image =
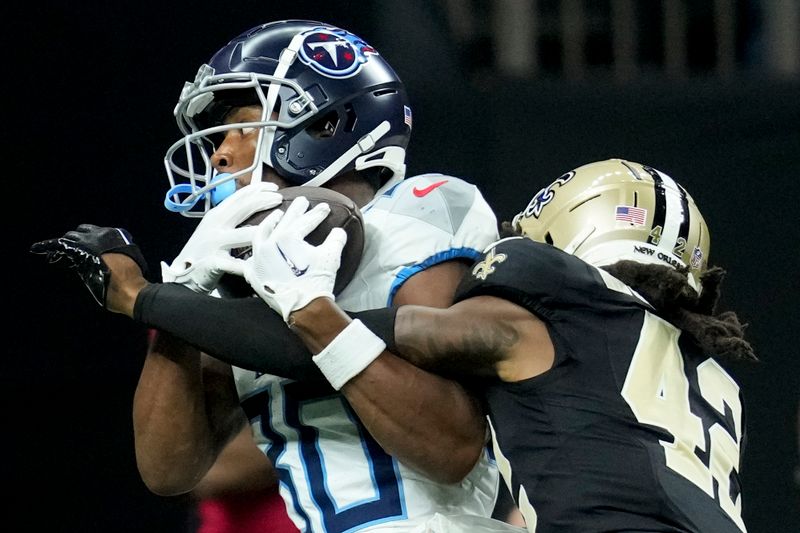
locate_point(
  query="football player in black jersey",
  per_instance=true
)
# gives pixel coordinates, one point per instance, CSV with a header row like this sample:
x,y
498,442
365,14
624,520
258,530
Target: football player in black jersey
x,y
591,333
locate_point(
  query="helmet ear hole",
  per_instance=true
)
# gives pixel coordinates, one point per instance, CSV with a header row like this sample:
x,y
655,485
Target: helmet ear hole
x,y
548,238
376,176
324,127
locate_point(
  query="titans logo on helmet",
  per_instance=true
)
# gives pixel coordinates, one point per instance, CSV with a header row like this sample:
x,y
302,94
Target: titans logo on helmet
x,y
334,53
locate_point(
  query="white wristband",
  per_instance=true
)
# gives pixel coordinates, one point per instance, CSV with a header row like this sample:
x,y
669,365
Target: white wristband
x,y
349,353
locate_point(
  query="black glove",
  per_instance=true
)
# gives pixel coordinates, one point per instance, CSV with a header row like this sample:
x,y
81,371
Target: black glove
x,y
81,249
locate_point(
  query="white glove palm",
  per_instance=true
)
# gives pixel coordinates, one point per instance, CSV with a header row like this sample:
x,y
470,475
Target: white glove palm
x,y
285,270
206,255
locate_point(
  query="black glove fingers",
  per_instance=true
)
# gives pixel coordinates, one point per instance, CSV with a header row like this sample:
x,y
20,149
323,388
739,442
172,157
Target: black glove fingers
x,y
55,251
45,247
57,255
92,237
94,275
81,249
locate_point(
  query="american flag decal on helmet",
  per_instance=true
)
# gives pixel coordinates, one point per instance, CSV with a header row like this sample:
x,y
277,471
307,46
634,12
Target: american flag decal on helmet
x,y
407,116
634,215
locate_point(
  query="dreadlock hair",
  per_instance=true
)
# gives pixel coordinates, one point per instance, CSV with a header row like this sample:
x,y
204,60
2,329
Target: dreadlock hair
x,y
507,230
668,291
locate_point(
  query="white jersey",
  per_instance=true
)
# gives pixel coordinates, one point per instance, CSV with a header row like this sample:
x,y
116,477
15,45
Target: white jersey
x,y
334,476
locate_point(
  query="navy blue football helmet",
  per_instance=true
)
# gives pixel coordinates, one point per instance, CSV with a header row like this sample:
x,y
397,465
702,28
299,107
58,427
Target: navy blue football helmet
x,y
331,104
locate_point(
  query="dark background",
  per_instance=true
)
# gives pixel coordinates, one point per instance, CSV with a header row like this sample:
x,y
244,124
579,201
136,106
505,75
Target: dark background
x,y
91,86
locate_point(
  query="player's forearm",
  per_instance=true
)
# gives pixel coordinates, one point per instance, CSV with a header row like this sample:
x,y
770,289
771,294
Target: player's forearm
x,y
464,341
172,435
318,323
428,422
243,332
241,468
125,283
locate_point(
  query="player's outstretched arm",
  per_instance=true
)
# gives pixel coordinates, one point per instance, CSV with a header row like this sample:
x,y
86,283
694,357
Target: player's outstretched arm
x,y
480,337
82,250
112,267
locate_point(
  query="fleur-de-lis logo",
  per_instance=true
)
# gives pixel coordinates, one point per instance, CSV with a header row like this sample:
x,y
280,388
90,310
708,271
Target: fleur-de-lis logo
x,y
486,267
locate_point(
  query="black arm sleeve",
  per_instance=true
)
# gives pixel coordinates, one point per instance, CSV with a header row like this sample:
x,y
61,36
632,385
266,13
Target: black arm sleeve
x,y
243,332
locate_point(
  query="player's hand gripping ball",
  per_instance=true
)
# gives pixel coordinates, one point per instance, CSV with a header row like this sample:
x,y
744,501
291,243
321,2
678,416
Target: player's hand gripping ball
x,y
344,214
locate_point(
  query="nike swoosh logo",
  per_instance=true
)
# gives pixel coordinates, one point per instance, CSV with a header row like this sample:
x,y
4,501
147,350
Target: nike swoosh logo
x,y
295,270
419,193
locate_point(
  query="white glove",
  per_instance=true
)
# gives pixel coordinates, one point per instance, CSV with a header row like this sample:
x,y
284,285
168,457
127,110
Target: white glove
x,y
286,271
206,255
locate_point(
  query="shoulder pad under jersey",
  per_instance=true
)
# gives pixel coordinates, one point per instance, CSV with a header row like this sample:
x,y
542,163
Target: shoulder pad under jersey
x,y
538,275
419,223
453,206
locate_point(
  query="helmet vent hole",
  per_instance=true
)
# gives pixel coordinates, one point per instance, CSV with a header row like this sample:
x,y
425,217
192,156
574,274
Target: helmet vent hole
x,y
383,92
583,202
548,238
350,120
635,199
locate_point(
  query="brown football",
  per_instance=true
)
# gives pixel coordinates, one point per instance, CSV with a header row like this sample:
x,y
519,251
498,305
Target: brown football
x,y
344,214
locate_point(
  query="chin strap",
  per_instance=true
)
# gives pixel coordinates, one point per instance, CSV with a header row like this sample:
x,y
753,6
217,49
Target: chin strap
x,y
285,61
364,145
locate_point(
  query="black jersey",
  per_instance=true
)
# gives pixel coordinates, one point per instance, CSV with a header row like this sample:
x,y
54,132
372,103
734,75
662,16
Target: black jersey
x,y
633,429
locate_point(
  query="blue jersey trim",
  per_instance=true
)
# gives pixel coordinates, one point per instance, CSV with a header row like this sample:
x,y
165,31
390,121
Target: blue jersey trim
x,y
453,253
275,450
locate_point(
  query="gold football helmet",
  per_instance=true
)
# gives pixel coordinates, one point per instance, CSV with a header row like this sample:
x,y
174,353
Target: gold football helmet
x,y
612,210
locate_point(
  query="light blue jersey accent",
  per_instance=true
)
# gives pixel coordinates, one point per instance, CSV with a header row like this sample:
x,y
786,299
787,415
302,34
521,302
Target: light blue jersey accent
x,y
469,254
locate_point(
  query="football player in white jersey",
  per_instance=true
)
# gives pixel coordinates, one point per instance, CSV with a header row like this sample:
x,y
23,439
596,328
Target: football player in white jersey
x,y
346,472
303,103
